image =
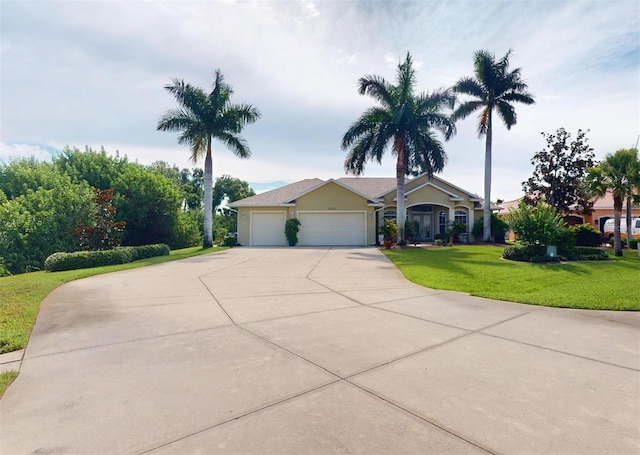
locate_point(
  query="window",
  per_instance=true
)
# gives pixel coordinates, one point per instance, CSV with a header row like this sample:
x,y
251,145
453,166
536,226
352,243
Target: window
x,y
461,216
390,215
442,223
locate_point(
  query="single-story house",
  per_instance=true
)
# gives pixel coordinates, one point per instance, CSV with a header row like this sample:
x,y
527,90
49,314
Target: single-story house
x,y
349,211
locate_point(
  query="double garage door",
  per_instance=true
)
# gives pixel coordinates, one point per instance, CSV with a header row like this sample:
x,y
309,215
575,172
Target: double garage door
x,y
318,228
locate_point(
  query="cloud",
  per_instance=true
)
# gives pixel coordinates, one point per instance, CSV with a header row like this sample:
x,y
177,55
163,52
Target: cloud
x,y
10,152
92,73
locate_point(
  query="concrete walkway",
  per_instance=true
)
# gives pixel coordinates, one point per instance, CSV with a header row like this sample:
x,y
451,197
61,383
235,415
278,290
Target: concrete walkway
x,y
315,351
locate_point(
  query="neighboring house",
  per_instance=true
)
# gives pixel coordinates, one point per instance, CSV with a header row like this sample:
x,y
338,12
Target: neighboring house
x,y
349,211
601,212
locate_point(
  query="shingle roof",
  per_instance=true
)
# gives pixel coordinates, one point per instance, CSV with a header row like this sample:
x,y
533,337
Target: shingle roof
x,y
279,195
371,187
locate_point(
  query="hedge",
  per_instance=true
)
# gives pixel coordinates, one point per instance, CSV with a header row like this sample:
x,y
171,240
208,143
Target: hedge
x,y
58,262
578,253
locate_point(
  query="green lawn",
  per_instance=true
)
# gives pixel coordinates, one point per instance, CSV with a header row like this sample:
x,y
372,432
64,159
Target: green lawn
x,y
479,270
20,295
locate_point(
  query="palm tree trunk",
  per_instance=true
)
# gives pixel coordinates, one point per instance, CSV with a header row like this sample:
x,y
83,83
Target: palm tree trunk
x,y
628,224
486,231
617,215
400,171
208,199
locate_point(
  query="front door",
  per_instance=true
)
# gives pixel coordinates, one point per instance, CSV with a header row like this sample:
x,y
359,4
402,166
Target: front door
x,y
424,226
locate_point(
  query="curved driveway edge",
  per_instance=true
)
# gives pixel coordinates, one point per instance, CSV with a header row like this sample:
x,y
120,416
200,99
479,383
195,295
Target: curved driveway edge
x,y
315,350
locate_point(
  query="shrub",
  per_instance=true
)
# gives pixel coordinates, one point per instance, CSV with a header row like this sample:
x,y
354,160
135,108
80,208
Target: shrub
x,y
86,259
565,240
389,229
586,235
583,253
536,225
499,229
516,253
633,243
230,240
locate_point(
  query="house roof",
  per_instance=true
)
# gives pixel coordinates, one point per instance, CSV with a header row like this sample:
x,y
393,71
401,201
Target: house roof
x,y
371,188
279,196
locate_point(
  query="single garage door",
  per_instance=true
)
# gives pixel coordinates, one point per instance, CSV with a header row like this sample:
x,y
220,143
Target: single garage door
x,y
267,229
332,228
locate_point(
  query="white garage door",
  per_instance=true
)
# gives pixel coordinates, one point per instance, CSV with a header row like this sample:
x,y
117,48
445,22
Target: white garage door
x,y
267,229
332,228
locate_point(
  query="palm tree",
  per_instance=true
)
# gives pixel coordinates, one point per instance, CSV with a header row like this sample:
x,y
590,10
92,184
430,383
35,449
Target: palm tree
x,y
203,117
615,173
493,86
404,121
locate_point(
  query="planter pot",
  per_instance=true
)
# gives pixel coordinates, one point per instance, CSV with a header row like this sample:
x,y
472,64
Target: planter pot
x,y
292,243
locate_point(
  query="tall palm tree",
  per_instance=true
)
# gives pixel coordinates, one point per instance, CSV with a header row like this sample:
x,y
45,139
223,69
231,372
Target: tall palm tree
x,y
404,121
493,87
615,173
203,117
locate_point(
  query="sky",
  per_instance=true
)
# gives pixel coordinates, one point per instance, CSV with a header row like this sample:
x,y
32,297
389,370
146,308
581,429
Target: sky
x,y
91,73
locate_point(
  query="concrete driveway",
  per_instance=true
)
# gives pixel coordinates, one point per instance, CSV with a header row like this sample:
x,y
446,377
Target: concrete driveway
x,y
315,351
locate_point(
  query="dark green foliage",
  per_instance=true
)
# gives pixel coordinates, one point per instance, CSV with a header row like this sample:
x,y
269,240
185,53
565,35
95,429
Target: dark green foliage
x,y
291,228
98,169
558,172
499,228
565,240
586,235
537,254
187,230
41,208
230,240
86,259
149,203
233,188
633,243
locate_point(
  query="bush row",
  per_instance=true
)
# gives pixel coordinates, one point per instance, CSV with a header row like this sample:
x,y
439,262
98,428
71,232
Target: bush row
x,y
538,254
58,262
633,243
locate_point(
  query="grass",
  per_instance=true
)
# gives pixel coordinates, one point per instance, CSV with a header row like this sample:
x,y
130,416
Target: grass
x,y
6,379
20,295
481,271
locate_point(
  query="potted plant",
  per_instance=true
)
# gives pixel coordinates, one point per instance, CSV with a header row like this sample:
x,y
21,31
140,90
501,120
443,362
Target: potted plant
x,y
390,232
291,228
455,229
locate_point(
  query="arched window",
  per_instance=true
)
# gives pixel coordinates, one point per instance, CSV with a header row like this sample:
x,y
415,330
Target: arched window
x,y
442,222
461,216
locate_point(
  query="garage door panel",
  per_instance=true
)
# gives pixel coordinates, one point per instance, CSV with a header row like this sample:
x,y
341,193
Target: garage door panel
x,y
267,229
345,229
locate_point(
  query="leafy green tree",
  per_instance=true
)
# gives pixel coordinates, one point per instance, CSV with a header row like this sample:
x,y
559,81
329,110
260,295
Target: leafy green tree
x,y
405,121
493,87
39,209
149,203
232,188
20,176
616,173
203,117
187,182
559,170
97,168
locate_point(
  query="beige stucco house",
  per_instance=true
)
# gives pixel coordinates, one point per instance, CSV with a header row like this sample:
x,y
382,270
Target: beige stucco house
x,y
349,211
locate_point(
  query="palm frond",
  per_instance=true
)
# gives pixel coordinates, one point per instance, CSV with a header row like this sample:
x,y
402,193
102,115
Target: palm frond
x,y
469,86
236,143
465,109
507,113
